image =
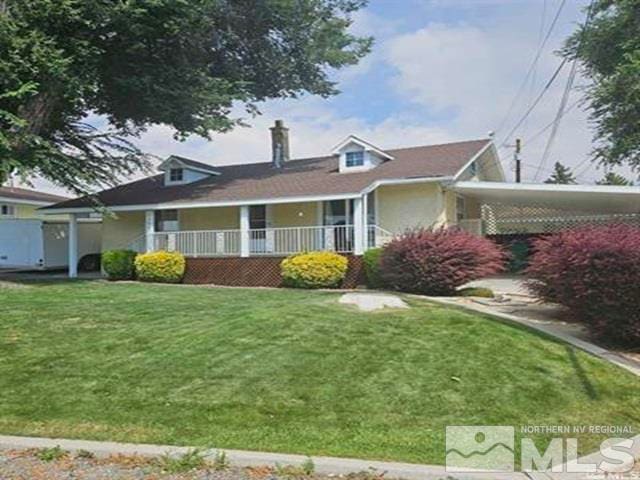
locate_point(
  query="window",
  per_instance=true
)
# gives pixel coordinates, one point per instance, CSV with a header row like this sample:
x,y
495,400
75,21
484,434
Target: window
x,y
371,208
176,175
7,211
461,213
355,159
167,221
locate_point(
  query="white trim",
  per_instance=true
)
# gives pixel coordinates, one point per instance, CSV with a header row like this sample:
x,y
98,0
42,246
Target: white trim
x,y
478,155
28,202
266,201
358,230
405,181
364,144
545,187
149,229
162,167
245,242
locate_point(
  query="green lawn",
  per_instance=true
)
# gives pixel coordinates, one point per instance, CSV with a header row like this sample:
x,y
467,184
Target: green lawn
x,y
283,370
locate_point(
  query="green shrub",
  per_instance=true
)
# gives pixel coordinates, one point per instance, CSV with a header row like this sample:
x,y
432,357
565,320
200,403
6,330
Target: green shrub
x,y
162,267
314,270
371,259
191,460
119,264
519,256
51,454
476,292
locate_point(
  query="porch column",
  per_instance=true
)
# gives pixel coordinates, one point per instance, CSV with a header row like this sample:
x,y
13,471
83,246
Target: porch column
x,y
73,245
149,230
358,230
365,221
244,231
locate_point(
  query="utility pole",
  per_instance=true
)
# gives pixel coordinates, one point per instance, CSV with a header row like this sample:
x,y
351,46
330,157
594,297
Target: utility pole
x,y
516,158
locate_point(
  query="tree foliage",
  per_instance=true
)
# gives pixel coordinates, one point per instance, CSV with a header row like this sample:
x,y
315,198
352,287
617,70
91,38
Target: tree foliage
x,y
137,63
612,178
608,49
561,175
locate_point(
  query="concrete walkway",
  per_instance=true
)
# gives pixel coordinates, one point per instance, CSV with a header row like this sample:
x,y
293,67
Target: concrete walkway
x,y
242,458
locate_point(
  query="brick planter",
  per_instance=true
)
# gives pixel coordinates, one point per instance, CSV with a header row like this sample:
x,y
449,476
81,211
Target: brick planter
x,y
254,271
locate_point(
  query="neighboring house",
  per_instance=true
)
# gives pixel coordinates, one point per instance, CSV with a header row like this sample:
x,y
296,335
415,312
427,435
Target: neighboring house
x,y
31,240
23,203
355,197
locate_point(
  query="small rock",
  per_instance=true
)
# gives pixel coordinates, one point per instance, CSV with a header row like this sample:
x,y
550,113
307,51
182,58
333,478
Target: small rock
x,y
369,302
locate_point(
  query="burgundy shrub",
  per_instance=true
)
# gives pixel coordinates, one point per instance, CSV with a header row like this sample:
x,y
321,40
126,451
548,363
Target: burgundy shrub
x,y
595,272
435,262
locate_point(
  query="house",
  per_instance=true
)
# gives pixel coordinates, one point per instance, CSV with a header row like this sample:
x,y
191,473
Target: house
x,y
23,203
239,220
31,240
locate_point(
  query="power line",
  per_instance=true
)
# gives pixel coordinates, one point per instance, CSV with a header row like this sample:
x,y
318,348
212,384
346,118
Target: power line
x,y
565,95
533,65
539,133
535,103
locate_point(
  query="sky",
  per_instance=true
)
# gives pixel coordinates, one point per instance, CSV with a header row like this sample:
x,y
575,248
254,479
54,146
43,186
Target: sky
x,y
440,71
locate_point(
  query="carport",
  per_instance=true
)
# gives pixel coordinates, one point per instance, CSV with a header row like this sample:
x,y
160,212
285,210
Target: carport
x,y
521,208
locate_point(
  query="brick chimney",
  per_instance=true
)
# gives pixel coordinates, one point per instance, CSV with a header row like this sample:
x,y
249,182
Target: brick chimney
x,y
279,144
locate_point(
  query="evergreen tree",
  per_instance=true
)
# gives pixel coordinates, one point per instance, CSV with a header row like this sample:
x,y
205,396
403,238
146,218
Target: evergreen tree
x,y
612,178
561,175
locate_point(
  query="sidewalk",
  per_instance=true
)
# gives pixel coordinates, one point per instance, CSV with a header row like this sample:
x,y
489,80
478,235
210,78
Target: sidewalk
x,y
242,458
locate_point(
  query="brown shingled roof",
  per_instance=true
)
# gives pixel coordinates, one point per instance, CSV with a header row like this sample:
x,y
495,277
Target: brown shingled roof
x,y
306,177
30,195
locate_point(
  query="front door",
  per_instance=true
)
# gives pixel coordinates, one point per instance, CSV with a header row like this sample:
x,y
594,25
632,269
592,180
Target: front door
x,y
258,226
338,213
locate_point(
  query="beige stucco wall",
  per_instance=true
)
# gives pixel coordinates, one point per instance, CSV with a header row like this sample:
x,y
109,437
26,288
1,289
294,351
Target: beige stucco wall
x,y
26,211
401,207
31,211
487,168
293,214
119,231
220,218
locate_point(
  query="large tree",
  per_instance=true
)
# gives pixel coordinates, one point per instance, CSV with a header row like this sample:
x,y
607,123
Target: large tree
x,y
137,63
608,49
613,178
561,175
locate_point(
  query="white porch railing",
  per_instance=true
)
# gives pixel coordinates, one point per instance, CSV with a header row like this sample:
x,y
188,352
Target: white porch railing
x,y
288,240
268,241
199,243
378,236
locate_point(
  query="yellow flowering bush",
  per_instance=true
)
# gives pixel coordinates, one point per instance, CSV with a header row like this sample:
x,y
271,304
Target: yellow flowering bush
x,y
163,267
314,270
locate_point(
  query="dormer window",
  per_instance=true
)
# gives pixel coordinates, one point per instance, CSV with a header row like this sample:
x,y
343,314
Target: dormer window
x,y
182,171
356,155
355,159
176,175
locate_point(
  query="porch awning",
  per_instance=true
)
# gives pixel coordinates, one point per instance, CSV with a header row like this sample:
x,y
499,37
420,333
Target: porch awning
x,y
589,198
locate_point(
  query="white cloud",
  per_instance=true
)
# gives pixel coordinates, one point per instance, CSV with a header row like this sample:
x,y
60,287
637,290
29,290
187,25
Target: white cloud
x,y
474,72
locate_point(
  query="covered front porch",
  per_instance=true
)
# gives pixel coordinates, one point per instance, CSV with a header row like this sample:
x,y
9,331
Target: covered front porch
x,y
344,225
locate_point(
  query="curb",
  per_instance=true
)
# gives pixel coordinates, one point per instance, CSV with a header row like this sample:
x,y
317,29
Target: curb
x,y
243,458
604,354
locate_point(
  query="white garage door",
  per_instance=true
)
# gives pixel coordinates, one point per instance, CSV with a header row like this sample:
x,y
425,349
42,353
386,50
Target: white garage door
x,y
21,243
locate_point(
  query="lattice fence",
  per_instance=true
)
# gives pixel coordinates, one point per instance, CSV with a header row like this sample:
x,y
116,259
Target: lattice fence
x,y
500,219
